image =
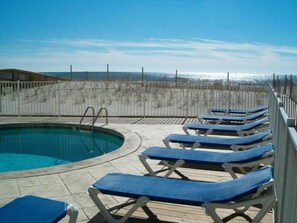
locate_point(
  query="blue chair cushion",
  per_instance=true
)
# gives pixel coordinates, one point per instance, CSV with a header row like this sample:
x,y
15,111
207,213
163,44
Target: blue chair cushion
x,y
182,191
238,111
207,157
232,118
227,128
31,209
217,141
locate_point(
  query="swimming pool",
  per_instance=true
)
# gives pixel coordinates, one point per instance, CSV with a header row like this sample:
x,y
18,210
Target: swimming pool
x,y
31,146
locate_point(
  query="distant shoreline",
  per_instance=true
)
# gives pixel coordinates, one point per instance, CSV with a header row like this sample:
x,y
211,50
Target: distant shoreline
x,y
168,77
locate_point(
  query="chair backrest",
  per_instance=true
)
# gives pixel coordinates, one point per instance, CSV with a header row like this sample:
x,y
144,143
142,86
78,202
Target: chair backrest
x,y
255,116
254,124
251,139
246,185
237,111
250,155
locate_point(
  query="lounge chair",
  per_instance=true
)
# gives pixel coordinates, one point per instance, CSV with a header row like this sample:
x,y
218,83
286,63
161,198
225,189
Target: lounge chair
x,y
28,209
218,119
255,188
174,158
237,111
235,143
245,129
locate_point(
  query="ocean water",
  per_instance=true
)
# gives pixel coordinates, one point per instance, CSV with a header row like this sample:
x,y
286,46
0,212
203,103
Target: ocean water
x,y
171,77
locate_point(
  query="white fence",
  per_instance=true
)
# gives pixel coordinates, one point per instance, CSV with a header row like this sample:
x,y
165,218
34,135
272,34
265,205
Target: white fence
x,y
285,144
71,98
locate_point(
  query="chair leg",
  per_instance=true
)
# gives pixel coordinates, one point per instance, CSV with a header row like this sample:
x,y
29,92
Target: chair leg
x,y
166,143
196,145
208,132
143,159
266,203
229,167
172,168
186,130
140,202
266,207
72,212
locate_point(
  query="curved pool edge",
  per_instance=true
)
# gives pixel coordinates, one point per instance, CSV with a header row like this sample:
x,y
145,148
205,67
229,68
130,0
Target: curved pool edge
x,y
132,143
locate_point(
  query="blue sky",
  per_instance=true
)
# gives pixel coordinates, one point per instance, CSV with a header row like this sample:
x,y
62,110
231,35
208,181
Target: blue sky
x,y
244,36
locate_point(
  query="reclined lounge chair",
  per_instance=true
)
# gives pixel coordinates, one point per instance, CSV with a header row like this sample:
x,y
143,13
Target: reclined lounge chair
x,y
255,188
28,209
245,129
235,143
174,158
236,111
218,119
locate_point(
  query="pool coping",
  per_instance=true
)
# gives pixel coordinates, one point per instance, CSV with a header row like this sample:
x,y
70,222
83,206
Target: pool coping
x,y
132,142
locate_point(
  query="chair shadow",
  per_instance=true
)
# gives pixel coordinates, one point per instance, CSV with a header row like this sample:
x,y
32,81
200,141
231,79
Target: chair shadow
x,y
152,218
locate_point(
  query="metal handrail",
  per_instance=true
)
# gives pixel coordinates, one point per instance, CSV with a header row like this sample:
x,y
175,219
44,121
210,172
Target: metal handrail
x,y
99,112
84,115
94,118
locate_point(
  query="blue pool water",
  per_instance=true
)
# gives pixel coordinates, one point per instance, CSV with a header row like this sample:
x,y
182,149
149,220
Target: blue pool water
x,y
38,147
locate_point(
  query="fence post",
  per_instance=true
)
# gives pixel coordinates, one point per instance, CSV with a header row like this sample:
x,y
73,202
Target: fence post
x,y
101,101
143,99
175,78
229,91
291,86
107,72
71,72
290,122
285,85
278,84
18,96
142,77
59,98
187,115
274,81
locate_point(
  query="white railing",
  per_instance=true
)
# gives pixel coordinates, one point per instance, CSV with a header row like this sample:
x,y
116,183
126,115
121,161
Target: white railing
x,y
71,98
285,144
290,106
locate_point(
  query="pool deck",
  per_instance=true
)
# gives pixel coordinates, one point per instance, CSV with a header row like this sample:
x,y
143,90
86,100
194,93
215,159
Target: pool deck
x,y
71,184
